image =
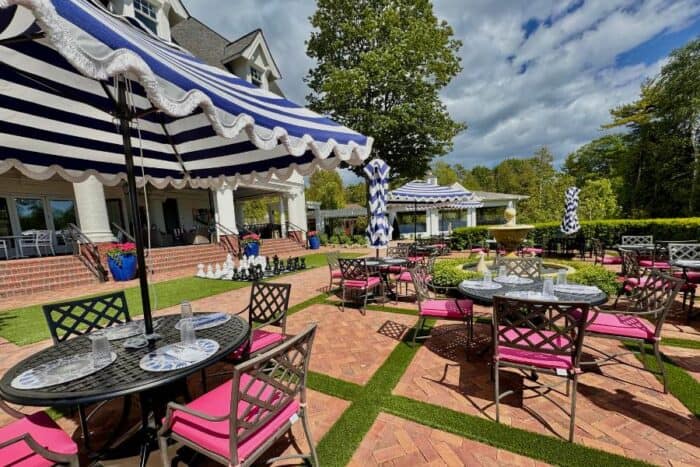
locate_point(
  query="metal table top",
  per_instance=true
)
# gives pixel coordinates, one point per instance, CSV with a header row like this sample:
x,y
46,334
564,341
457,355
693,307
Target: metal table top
x,y
686,264
122,377
373,262
486,296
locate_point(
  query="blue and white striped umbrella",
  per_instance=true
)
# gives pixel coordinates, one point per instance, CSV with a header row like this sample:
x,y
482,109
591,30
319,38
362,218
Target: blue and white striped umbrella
x,y
199,124
569,224
378,228
421,192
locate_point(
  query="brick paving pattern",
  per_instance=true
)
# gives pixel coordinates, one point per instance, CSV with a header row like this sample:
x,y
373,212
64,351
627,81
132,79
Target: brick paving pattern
x,y
393,441
348,345
621,410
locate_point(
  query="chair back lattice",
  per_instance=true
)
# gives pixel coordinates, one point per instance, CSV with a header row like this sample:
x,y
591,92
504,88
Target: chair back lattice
x,y
598,250
265,385
269,303
680,251
637,239
420,276
429,263
354,269
396,252
655,298
332,260
82,316
630,263
527,266
554,328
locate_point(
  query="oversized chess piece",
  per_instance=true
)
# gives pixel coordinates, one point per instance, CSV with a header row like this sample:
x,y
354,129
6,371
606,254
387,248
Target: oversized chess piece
x,y
258,271
303,263
210,272
268,270
289,264
236,275
200,271
217,271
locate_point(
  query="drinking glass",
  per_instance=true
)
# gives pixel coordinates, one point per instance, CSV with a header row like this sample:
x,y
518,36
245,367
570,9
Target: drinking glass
x,y
187,334
487,277
548,287
101,349
501,271
185,310
561,277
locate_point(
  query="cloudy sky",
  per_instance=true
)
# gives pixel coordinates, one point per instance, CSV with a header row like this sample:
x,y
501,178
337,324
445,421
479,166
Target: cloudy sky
x,y
536,72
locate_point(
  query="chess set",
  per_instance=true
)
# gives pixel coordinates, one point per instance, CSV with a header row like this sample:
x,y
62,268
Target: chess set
x,y
250,268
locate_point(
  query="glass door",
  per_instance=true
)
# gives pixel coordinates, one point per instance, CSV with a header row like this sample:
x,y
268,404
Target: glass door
x,y
5,224
62,214
30,213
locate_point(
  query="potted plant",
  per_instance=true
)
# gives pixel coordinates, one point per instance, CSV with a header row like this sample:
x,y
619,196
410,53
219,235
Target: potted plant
x,y
251,244
314,240
121,259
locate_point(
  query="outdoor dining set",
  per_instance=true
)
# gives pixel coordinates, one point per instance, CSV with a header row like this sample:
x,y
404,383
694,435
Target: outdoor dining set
x,y
100,355
540,322
30,242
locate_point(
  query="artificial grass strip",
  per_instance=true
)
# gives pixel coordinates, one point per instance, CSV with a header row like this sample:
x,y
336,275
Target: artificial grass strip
x,y
546,448
684,343
334,387
681,385
341,441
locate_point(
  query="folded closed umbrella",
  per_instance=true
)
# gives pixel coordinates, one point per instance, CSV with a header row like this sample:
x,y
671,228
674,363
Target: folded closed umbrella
x,y
378,229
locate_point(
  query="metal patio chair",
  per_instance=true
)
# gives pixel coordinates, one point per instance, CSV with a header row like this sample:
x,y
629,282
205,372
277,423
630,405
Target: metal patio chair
x,y
38,239
356,278
545,337
238,421
526,266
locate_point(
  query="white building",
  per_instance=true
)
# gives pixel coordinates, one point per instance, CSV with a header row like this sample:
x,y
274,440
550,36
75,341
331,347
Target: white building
x,y
101,211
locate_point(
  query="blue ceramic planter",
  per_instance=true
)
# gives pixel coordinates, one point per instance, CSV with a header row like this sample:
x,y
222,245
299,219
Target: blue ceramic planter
x,y
252,249
314,243
126,271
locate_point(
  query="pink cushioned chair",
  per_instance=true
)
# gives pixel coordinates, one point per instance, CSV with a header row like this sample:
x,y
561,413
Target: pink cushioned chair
x,y
600,255
334,269
235,423
641,321
35,441
544,337
268,307
404,280
356,278
444,309
686,251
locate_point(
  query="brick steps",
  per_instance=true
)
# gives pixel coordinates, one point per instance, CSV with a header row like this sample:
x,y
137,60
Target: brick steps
x,y
34,275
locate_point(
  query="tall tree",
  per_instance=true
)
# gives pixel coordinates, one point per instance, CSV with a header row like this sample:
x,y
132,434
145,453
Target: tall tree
x,y
326,186
356,193
445,173
600,158
380,67
598,200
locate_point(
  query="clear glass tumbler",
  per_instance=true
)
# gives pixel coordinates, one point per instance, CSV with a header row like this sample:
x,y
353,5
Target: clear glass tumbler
x,y
187,334
185,310
501,271
487,277
101,349
561,277
548,287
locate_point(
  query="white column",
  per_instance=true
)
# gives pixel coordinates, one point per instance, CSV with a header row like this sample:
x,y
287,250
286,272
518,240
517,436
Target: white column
x,y
296,209
283,216
432,222
320,220
225,213
472,217
92,210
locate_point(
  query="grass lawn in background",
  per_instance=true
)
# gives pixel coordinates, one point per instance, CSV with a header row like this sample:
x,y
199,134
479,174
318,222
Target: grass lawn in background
x,y
27,325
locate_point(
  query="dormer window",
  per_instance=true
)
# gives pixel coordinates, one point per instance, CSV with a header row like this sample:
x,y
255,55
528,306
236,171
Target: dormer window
x,y
147,14
256,77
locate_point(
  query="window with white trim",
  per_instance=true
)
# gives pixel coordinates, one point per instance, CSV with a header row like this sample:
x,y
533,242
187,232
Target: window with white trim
x,y
256,77
147,14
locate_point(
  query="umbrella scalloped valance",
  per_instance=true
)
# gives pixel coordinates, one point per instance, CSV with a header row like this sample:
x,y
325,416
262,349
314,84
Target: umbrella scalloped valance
x,y
199,125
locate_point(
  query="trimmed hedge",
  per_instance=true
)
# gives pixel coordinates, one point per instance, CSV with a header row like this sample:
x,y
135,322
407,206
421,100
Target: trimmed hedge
x,y
448,272
608,231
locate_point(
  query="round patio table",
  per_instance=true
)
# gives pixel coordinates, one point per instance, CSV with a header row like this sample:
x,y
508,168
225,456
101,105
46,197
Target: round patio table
x,y
485,297
124,376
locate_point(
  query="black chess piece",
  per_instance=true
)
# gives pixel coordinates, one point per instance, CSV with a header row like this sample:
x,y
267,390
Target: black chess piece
x,y
289,263
268,269
235,274
296,263
259,271
244,274
303,263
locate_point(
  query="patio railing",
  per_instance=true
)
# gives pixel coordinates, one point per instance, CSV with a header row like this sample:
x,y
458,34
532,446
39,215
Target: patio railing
x,y
87,252
228,239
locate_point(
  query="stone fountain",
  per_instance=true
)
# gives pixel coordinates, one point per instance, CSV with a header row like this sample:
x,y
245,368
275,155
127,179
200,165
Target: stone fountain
x,y
510,234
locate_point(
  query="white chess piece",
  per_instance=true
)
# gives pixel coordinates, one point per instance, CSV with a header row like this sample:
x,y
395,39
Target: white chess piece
x,y
217,271
200,270
228,275
210,272
229,259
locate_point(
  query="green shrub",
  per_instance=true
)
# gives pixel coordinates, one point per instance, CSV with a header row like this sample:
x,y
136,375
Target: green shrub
x,y
335,240
359,239
448,273
590,274
608,231
323,238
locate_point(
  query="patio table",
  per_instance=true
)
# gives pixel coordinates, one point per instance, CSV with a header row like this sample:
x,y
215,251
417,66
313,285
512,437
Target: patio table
x,y
379,266
19,253
485,297
123,377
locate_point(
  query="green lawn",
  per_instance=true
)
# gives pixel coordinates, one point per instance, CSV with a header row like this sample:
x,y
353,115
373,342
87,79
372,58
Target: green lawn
x,y
26,325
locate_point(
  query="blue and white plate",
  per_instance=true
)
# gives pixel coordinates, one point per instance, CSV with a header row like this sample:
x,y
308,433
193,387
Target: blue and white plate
x,y
164,358
514,280
481,285
60,371
206,321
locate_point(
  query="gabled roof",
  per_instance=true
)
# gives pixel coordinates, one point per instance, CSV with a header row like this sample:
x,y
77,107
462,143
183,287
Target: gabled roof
x,y
246,45
195,36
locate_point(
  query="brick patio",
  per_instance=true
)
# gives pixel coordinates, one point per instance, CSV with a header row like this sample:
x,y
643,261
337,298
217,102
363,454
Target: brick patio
x,y
620,410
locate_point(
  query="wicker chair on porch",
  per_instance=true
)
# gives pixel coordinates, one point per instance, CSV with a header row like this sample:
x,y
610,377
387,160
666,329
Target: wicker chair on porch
x,y
533,336
641,321
238,421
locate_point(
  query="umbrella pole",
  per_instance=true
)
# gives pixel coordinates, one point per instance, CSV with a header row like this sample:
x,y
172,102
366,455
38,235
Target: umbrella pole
x,y
124,115
415,221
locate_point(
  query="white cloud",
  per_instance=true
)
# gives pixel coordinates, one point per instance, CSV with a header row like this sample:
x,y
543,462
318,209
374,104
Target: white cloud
x,y
560,101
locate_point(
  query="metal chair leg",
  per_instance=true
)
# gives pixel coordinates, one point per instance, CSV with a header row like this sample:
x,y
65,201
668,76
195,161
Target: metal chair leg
x,y
572,422
307,432
496,394
342,303
662,367
419,328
